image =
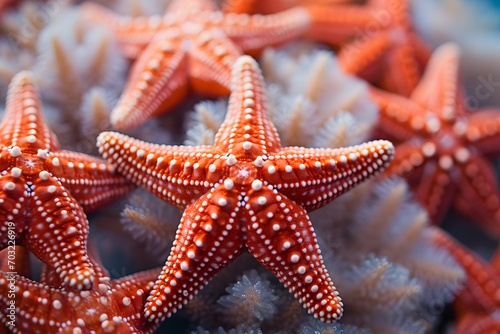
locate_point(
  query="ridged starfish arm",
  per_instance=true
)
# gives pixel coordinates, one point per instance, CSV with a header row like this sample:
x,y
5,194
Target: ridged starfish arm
x,y
254,32
91,181
208,239
59,216
356,57
480,292
478,198
435,191
132,33
483,131
336,24
291,252
405,78
439,87
335,171
157,80
402,118
23,124
111,307
169,168
408,159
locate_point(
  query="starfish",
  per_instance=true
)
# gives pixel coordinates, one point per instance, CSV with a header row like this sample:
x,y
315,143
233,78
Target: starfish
x,y
245,193
442,146
111,306
385,38
478,303
43,185
192,46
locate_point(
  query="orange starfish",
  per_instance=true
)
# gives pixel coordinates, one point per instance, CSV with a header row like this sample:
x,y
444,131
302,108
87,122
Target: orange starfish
x,y
192,46
387,50
442,146
245,193
478,303
110,307
42,187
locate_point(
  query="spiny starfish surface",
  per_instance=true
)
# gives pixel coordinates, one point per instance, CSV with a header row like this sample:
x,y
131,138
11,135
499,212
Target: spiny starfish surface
x,y
442,146
245,193
43,188
111,306
192,46
478,303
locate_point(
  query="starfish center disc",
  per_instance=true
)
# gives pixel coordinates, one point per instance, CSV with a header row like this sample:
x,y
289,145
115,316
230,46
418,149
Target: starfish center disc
x,y
243,173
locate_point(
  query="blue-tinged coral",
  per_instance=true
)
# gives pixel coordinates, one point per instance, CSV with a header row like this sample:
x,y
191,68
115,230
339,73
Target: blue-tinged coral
x,y
250,299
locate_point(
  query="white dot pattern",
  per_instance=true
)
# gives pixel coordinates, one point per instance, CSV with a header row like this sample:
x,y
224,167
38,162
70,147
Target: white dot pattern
x,y
229,207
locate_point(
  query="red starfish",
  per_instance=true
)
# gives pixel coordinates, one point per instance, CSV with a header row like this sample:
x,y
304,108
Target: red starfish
x,y
386,39
192,46
110,307
442,146
245,193
478,303
42,187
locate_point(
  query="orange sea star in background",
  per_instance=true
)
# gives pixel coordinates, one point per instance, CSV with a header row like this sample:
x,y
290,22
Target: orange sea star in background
x,y
44,188
245,193
478,302
386,51
441,146
192,46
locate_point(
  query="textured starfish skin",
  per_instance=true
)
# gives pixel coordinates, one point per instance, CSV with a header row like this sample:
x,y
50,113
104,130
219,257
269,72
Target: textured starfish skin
x,y
109,307
478,303
441,146
385,38
193,46
42,186
245,193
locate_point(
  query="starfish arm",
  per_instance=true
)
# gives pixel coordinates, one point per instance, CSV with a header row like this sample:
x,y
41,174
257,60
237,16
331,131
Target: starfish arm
x,y
13,209
157,81
249,133
479,195
435,191
291,252
483,130
296,172
402,118
336,24
132,33
357,56
91,181
207,240
439,88
211,56
408,160
254,32
51,277
23,124
24,296
163,170
404,73
60,216
479,292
